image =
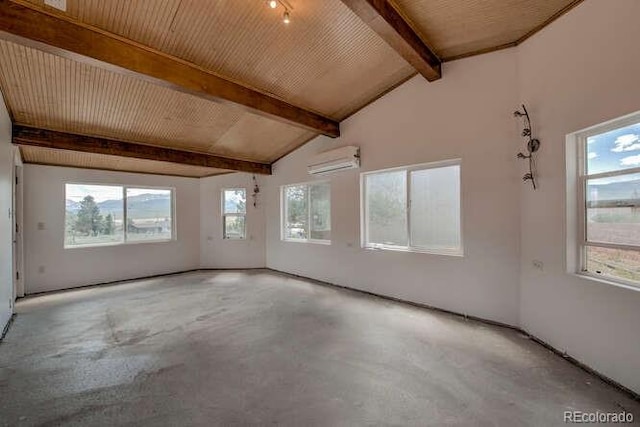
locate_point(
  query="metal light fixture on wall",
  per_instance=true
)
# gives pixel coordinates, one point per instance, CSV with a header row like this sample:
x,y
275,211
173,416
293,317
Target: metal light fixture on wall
x,y
256,191
533,145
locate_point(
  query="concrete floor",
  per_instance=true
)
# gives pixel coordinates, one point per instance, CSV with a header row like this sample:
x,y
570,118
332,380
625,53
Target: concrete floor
x,y
239,348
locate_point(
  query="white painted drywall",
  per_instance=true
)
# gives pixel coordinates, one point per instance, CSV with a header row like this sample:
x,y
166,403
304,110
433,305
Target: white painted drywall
x,y
6,237
44,200
582,70
467,115
216,252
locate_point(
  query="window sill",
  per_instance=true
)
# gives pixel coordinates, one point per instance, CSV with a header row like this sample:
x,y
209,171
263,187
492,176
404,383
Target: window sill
x,y
606,281
458,254
315,242
103,245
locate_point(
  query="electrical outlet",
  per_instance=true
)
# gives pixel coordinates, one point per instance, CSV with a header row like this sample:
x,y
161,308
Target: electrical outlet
x,y
41,226
58,4
41,269
538,265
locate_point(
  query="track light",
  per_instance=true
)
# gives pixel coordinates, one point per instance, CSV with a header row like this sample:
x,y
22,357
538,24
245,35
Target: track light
x,y
274,4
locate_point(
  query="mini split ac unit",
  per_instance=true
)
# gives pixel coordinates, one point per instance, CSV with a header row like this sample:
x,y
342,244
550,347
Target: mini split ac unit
x,y
335,160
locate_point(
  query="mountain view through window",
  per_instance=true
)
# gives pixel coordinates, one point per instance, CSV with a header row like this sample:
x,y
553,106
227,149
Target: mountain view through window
x,y
95,215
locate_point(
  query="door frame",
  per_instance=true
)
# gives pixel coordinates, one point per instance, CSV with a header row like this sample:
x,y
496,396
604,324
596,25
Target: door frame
x,y
17,227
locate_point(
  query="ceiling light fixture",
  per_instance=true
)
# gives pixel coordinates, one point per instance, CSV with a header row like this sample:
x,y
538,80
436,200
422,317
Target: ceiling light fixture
x,y
286,16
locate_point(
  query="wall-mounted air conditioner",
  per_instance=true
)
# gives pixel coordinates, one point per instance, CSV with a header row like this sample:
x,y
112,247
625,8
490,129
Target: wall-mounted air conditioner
x,y
335,160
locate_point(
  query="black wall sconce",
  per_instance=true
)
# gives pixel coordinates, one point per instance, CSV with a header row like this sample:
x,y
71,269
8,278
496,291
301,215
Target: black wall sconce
x,y
533,145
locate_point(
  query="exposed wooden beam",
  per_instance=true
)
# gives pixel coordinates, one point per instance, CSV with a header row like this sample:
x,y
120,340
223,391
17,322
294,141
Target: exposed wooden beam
x,y
384,19
25,24
25,135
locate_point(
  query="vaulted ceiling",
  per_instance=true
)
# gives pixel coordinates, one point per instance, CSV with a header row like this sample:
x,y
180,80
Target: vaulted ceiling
x,y
253,88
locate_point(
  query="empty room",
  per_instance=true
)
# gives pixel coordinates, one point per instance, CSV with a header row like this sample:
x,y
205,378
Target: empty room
x,y
319,212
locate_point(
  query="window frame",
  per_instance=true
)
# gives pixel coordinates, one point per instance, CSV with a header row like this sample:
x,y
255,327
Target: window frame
x,y
283,213
225,215
124,188
582,178
409,247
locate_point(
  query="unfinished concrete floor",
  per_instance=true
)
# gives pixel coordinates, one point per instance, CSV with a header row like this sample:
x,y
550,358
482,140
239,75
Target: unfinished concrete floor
x,y
256,347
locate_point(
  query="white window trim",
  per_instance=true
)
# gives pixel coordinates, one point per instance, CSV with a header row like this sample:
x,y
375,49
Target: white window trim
x,y
409,248
576,149
283,214
224,214
124,210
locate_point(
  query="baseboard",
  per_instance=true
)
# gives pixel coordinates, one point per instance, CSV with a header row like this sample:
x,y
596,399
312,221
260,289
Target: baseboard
x,y
135,279
5,329
110,283
231,269
401,301
632,394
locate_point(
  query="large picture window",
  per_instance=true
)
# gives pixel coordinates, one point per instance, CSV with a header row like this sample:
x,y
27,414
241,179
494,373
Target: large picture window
x,y
108,215
415,208
306,212
234,210
609,201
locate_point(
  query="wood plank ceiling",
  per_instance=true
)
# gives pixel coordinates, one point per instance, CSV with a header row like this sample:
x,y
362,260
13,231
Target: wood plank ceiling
x,y
464,28
327,60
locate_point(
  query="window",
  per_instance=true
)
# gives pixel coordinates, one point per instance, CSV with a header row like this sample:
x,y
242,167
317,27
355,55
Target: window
x,y
234,210
416,208
609,201
97,214
307,212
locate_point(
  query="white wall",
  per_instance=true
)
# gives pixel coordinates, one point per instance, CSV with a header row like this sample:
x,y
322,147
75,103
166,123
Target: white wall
x,y
215,252
467,115
582,70
6,238
44,188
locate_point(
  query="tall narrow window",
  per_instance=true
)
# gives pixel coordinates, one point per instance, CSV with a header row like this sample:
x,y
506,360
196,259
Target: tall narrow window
x,y
306,212
109,214
234,210
320,211
609,196
415,208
